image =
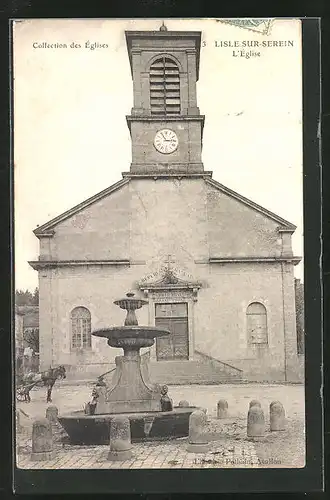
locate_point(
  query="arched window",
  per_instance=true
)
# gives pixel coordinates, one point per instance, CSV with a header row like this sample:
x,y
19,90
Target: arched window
x,y
256,316
80,328
164,80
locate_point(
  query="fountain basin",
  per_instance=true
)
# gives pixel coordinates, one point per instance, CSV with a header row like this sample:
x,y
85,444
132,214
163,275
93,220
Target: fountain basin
x,y
150,426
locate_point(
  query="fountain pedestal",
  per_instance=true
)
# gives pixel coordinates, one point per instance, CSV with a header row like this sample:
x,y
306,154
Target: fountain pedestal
x,y
130,389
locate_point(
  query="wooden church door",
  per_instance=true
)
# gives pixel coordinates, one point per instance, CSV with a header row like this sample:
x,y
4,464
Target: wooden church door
x,y
172,317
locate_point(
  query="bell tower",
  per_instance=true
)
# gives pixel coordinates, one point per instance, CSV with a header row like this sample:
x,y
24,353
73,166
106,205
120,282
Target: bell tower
x,y
165,124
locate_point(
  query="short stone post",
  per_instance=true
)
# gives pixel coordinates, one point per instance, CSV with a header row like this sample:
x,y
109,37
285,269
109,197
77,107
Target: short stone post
x,y
255,422
197,442
183,404
52,413
148,421
222,409
42,440
120,439
254,402
276,416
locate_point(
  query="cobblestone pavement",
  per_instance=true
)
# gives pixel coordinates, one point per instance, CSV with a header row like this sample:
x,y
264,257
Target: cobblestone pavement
x,y
166,455
229,445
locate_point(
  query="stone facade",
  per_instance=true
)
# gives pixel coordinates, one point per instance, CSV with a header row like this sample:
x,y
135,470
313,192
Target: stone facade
x,y
169,232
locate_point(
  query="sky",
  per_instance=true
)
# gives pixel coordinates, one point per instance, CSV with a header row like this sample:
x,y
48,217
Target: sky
x,y
71,140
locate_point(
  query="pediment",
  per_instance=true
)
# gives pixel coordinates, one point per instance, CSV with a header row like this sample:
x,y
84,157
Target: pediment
x,y
169,280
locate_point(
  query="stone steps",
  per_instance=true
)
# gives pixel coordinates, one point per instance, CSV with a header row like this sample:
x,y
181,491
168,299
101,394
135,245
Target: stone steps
x,y
191,372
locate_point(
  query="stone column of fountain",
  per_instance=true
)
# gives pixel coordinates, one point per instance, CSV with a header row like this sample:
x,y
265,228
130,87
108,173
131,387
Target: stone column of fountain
x,y
130,390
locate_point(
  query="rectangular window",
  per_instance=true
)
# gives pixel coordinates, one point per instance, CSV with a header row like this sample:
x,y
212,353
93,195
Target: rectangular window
x,y
257,326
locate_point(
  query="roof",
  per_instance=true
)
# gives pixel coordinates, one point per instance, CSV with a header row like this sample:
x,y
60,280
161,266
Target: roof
x,y
18,311
47,228
30,316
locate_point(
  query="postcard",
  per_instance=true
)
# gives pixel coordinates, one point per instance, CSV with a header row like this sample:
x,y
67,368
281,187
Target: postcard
x,y
159,265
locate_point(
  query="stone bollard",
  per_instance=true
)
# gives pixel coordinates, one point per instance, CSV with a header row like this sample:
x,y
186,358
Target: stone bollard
x,y
52,413
184,404
255,422
276,416
254,402
120,439
197,442
42,440
222,408
274,403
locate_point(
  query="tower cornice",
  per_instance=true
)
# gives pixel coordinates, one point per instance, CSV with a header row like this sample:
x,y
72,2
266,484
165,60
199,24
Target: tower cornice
x,y
182,36
161,119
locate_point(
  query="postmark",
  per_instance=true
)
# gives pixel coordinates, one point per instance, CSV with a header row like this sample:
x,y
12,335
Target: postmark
x,y
262,26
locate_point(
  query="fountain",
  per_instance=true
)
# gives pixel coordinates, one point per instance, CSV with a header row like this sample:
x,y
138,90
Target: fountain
x,y
129,391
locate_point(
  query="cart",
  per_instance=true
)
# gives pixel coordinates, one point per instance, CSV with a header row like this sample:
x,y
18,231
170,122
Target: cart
x,y
23,391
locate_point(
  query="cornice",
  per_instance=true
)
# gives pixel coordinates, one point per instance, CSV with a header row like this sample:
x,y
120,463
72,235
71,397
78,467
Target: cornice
x,y
165,118
166,175
223,260
51,264
286,230
47,234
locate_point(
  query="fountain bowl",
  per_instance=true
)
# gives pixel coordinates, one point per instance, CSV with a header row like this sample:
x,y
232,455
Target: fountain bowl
x,y
116,332
131,336
150,426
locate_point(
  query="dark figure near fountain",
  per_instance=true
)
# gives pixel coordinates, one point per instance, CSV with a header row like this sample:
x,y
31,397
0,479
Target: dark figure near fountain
x,y
165,401
128,389
91,405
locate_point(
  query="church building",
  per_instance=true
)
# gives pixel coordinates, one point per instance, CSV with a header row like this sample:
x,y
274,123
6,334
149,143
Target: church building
x,y
216,268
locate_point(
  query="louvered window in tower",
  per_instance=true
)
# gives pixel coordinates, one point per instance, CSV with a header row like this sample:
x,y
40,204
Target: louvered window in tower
x,y
164,87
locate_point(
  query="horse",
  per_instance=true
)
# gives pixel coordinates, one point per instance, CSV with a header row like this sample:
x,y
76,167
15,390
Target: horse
x,y
46,378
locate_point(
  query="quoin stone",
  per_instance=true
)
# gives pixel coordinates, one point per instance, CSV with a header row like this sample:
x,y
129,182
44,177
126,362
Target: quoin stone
x,y
254,402
120,439
198,442
52,413
276,416
255,422
42,440
222,408
184,404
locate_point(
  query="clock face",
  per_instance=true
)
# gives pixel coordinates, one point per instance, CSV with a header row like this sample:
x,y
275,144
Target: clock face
x,y
166,141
